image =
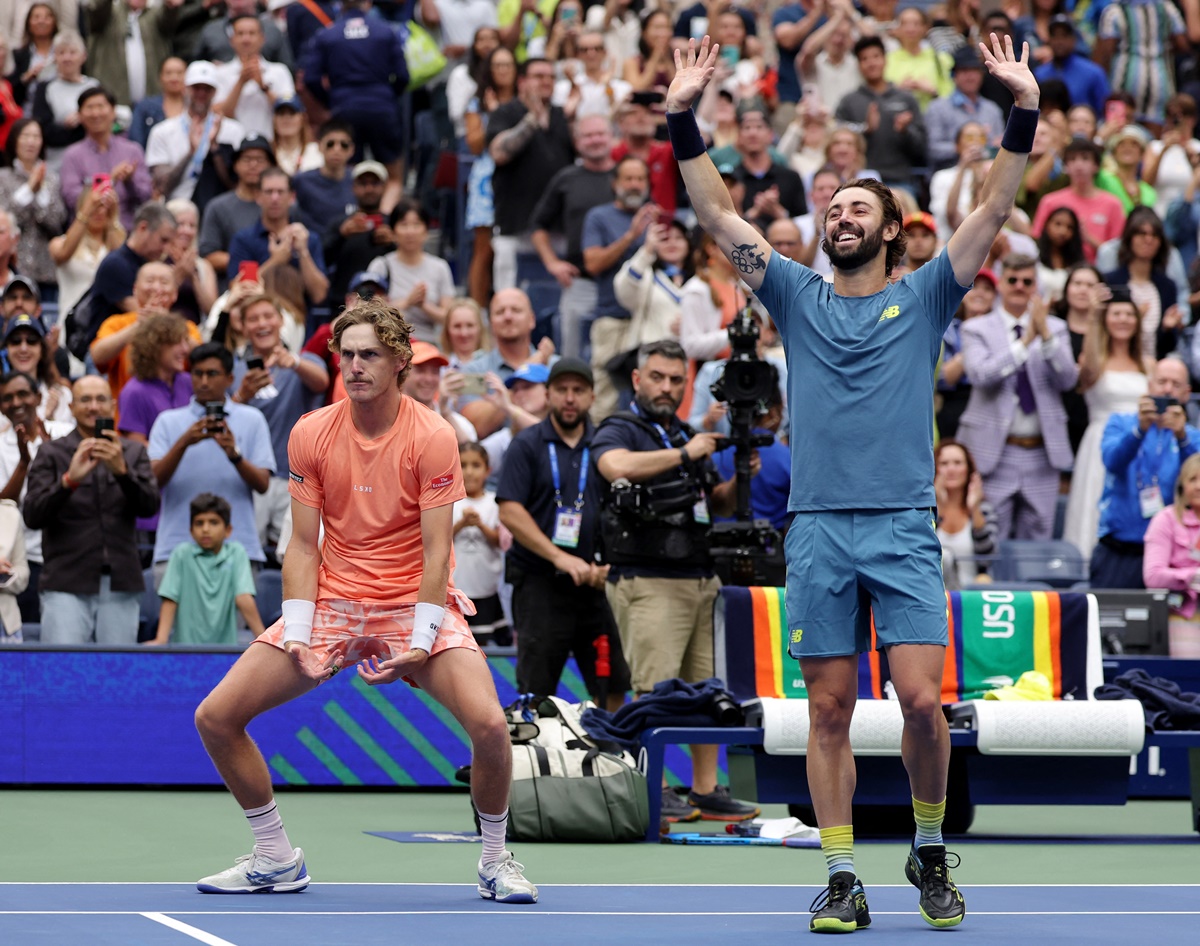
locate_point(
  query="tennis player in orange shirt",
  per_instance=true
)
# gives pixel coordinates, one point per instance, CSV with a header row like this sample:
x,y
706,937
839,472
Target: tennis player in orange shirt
x,y
382,472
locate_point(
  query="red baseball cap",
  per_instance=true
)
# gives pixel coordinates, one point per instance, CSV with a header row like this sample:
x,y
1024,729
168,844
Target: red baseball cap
x,y
921,219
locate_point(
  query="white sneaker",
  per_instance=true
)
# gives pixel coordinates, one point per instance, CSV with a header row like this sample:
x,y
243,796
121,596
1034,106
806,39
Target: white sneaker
x,y
254,873
503,882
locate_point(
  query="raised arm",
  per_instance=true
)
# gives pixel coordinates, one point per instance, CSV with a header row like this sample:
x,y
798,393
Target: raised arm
x,y
969,246
744,246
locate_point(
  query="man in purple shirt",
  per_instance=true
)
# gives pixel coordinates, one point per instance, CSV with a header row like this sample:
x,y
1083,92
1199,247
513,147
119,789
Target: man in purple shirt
x,y
103,153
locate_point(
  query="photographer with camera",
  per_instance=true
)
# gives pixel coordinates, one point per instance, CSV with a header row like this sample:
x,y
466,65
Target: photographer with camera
x,y
213,445
1142,455
85,492
655,528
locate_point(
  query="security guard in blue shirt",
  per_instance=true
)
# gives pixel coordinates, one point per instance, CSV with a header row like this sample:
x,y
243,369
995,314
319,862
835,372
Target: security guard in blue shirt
x,y
550,498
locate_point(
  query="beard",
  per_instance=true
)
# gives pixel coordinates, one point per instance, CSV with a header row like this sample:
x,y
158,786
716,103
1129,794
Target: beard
x,y
862,253
632,199
564,423
661,411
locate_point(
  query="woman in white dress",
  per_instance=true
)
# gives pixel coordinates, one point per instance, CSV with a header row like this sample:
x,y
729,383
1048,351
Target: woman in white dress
x,y
1117,374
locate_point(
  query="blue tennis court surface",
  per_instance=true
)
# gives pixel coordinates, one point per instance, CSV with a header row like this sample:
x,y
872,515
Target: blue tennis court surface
x,y
367,914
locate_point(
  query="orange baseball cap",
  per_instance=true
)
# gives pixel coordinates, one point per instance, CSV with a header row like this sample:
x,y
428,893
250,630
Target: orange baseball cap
x,y
921,219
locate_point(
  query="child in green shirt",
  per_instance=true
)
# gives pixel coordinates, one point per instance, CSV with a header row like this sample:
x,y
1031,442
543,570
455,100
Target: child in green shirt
x,y
207,582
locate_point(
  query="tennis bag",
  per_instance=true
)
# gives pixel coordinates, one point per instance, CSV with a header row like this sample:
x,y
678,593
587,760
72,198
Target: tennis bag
x,y
565,785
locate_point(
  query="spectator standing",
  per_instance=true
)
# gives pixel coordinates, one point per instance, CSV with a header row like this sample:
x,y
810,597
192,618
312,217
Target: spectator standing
x,y
285,387
126,41
158,352
216,38
20,403
1142,265
1172,536
169,103
966,522
594,89
295,151
15,577
1171,160
1100,214
915,66
559,215
208,582
273,241
1126,148
1085,80
465,81
103,153
248,86
773,190
426,385
827,64
357,67
194,276
326,193
226,215
792,24
889,117
86,490
1019,361
638,126
1060,247
189,156
362,233
1113,380
56,102
947,114
33,60
193,450
478,560
95,232
953,389
654,66
550,498
530,141
12,20
1077,308
153,231
1131,42
419,283
29,188
10,111
26,349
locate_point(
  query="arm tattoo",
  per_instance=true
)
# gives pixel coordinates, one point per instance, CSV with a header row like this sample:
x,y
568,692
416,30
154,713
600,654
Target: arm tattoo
x,y
747,258
513,141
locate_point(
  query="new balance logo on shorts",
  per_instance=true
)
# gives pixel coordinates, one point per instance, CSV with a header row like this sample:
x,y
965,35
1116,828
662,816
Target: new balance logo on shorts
x,y
797,634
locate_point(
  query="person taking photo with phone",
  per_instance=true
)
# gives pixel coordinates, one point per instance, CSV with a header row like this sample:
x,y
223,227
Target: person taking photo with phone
x,y
85,492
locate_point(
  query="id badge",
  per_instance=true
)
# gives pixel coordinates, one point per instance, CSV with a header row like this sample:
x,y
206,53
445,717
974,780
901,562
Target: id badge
x,y
567,525
1151,501
700,511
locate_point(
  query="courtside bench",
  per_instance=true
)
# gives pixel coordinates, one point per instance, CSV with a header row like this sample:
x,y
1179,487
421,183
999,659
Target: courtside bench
x,y
1074,750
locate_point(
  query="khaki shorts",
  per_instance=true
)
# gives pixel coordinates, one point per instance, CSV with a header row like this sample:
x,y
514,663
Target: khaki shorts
x,y
337,625
666,627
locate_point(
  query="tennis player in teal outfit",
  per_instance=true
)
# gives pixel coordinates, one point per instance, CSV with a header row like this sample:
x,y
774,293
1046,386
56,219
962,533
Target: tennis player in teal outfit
x,y
861,356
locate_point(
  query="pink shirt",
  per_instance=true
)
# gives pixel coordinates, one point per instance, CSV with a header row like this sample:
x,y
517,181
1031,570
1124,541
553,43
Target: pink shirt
x,y
1101,215
1168,561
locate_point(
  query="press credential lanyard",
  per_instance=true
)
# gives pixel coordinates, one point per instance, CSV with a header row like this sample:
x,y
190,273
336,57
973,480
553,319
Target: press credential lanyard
x,y
568,522
700,510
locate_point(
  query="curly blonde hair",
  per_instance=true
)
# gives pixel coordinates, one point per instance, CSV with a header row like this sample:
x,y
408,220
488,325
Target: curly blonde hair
x,y
390,328
153,334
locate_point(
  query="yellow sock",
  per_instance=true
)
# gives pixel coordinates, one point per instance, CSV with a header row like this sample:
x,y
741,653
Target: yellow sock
x,y
837,844
929,819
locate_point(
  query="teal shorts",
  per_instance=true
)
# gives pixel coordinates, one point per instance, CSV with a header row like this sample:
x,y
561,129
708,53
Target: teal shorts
x,y
841,566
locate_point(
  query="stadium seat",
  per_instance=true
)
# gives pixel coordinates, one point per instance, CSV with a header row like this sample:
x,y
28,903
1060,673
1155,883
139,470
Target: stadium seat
x,y
270,595
1008,586
1055,562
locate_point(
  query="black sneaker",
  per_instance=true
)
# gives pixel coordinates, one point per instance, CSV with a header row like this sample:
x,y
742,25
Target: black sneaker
x,y
719,805
927,869
676,809
841,907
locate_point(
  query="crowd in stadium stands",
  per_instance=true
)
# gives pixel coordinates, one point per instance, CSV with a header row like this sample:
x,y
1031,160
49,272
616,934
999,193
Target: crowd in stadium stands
x,y
191,190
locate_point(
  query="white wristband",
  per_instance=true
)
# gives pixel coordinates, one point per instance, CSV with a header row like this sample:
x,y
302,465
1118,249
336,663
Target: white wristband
x,y
426,623
298,620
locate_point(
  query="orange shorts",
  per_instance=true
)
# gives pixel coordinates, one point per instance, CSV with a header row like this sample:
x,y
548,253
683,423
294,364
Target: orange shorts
x,y
338,625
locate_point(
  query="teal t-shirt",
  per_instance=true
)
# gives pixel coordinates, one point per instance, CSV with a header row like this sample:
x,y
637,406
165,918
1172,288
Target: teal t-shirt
x,y
205,587
860,384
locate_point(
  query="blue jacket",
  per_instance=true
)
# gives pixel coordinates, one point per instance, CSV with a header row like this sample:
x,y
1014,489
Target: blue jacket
x,y
1134,461
363,59
671,703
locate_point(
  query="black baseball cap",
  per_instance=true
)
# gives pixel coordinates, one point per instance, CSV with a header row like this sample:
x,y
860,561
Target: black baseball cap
x,y
575,366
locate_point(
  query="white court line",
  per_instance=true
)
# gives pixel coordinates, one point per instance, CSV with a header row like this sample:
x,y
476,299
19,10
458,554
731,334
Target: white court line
x,y
376,883
214,941
207,938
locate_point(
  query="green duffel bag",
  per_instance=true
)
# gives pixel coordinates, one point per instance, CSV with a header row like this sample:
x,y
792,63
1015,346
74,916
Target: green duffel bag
x,y
575,794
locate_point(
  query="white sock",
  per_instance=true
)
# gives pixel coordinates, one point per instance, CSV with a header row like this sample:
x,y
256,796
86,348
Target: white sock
x,y
494,828
270,840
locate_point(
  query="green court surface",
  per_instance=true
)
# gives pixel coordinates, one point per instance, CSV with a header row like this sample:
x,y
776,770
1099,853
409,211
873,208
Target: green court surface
x,y
178,836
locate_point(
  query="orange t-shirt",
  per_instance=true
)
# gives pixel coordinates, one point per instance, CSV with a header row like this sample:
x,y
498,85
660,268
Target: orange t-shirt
x,y
371,494
120,370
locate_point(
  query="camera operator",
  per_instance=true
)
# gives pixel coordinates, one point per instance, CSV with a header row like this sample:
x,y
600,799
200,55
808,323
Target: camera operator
x,y
770,488
655,532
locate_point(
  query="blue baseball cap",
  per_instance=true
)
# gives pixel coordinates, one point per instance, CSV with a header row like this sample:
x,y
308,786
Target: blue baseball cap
x,y
293,103
368,278
532,372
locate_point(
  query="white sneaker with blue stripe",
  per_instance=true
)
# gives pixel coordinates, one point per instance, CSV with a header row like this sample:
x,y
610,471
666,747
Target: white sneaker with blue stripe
x,y
254,873
503,882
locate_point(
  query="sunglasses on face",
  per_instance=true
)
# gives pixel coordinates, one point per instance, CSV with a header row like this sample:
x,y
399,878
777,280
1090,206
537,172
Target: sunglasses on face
x,y
1020,280
335,143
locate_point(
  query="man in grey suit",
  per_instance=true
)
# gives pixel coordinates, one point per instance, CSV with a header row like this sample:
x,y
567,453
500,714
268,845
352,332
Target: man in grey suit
x,y
1019,360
